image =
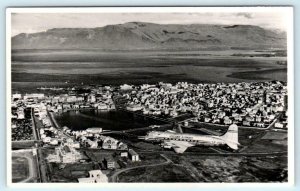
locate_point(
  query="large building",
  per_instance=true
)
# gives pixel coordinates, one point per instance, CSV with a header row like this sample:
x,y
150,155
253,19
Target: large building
x,y
95,176
134,107
65,154
94,130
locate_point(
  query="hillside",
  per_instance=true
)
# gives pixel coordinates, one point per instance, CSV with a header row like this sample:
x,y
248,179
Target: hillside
x,y
149,36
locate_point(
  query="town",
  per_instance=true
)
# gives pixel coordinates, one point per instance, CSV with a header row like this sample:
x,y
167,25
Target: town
x,y
100,155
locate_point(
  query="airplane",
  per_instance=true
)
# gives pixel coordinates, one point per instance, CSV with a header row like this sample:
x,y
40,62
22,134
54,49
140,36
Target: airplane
x,y
181,141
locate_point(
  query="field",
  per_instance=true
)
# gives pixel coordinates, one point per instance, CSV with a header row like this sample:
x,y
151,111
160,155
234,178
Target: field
x,y
22,144
146,158
20,169
69,172
262,146
233,168
211,169
166,173
245,169
24,166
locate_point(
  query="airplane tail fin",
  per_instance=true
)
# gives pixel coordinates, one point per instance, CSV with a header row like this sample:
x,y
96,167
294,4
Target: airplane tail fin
x,y
231,137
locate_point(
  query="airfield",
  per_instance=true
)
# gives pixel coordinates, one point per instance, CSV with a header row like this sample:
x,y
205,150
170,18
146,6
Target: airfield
x,y
263,152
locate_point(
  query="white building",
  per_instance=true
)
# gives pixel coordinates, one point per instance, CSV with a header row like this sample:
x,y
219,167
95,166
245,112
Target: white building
x,y
64,154
16,96
134,107
102,106
124,154
125,87
95,176
278,125
34,96
133,155
94,130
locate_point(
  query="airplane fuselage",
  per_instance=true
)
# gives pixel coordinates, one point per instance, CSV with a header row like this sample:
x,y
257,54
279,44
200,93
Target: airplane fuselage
x,y
208,140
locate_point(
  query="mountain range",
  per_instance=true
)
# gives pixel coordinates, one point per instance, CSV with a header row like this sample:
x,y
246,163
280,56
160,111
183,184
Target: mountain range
x,y
150,36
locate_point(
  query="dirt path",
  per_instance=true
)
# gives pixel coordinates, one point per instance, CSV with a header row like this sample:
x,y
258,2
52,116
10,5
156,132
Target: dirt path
x,y
115,175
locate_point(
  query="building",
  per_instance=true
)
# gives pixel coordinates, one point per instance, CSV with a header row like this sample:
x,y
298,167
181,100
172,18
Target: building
x,y
109,163
133,155
95,176
278,125
20,113
94,130
124,154
34,96
92,144
109,143
16,96
134,107
102,106
87,180
53,141
125,87
67,155
54,158
64,154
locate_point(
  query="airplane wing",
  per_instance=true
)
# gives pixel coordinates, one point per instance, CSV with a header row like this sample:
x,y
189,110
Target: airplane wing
x,y
178,146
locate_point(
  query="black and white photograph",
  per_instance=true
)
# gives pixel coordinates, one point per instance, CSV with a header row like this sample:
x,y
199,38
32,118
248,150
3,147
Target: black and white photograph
x,y
150,95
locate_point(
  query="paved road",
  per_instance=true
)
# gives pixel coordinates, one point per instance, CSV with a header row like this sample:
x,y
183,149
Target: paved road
x,y
115,175
34,130
41,163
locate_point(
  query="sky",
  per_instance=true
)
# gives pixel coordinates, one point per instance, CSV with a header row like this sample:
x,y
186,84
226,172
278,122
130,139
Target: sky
x,y
38,22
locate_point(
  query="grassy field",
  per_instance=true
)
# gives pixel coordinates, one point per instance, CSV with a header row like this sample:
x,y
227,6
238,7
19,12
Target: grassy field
x,y
69,172
234,169
262,146
22,144
24,166
167,173
20,169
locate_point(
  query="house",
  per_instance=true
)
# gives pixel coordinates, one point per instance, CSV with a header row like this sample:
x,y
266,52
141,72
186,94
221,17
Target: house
x,y
75,106
47,139
227,121
216,121
109,143
246,123
124,154
20,113
98,175
207,120
109,163
278,125
122,146
133,155
260,124
53,142
92,144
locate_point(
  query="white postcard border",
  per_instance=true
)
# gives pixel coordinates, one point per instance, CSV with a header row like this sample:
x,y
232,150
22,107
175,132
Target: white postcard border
x,y
290,80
